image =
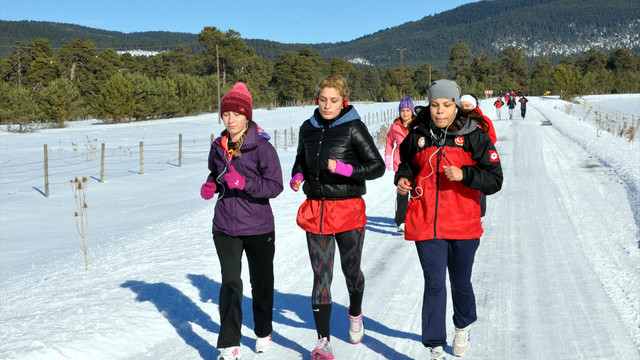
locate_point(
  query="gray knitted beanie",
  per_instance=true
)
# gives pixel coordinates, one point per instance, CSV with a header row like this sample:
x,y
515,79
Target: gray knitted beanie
x,y
444,88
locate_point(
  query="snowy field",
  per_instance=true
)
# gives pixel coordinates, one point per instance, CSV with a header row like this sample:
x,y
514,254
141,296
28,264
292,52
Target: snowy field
x,y
557,274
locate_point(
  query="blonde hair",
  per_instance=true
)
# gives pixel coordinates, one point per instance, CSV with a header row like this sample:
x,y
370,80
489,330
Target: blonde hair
x,y
237,153
336,82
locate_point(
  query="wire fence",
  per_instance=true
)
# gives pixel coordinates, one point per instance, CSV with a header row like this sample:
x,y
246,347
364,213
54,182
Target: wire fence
x,y
613,121
102,161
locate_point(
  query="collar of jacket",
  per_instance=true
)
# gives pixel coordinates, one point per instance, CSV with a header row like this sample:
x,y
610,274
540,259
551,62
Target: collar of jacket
x,y
468,127
250,141
346,115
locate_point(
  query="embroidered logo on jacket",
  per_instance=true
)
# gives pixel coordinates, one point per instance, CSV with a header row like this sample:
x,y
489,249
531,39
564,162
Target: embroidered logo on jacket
x,y
459,140
422,142
493,156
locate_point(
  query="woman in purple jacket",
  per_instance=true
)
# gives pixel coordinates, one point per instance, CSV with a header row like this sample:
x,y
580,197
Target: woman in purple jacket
x,y
246,173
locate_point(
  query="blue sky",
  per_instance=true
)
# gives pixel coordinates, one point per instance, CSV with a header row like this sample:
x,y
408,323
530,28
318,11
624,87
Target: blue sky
x,y
285,21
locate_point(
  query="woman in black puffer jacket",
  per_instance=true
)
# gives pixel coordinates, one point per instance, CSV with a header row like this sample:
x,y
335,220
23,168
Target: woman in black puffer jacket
x,y
336,155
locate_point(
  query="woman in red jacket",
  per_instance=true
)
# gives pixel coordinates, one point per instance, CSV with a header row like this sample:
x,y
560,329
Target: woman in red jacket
x,y
469,102
446,162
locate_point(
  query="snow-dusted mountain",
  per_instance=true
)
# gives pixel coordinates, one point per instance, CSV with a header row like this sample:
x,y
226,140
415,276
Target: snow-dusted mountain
x,y
554,28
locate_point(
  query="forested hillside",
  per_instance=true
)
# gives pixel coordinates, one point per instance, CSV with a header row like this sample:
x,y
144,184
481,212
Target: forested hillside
x,y
95,73
553,28
60,34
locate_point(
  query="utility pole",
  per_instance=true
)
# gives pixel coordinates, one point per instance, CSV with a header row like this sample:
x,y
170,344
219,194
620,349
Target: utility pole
x,y
218,81
402,50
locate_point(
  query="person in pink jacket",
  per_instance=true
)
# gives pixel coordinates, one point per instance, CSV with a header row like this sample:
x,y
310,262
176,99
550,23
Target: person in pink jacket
x,y
397,132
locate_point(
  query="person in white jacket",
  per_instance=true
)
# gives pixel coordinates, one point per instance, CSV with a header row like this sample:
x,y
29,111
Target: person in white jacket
x,y
397,132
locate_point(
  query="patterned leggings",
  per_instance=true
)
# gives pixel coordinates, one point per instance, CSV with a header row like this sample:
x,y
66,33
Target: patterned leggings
x,y
322,250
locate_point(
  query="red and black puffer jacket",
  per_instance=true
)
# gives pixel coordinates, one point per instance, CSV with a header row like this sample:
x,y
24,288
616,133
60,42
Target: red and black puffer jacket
x,y
440,208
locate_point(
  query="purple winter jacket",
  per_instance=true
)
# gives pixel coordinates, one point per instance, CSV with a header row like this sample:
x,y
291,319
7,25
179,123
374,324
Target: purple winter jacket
x,y
246,212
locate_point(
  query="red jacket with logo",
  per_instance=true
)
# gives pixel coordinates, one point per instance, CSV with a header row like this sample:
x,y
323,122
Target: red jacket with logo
x,y
438,207
491,131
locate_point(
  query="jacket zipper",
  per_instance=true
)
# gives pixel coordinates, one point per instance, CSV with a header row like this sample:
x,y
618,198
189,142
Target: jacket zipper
x,y
320,185
435,215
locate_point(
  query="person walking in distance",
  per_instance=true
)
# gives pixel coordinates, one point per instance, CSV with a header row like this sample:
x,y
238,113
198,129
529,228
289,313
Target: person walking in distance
x,y
511,104
397,132
523,106
335,156
498,104
245,172
447,160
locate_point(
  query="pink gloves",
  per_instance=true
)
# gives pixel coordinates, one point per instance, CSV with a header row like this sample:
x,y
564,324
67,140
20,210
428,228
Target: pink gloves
x,y
296,177
388,162
233,179
343,169
207,190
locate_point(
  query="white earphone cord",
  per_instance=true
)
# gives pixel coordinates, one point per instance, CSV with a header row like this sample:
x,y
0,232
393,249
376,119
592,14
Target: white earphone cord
x,y
418,189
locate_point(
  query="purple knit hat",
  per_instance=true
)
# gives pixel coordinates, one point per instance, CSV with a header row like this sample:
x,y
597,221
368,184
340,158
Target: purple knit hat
x,y
406,103
238,100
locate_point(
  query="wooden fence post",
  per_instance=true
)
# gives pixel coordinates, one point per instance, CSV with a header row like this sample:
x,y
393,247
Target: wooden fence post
x,y
285,140
141,159
179,150
293,138
102,164
46,171
275,136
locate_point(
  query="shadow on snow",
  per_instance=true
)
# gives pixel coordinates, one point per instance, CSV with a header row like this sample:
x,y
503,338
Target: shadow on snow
x,y
291,310
378,224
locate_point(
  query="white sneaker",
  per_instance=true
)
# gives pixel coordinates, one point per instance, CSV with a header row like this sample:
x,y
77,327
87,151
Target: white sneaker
x,y
401,228
230,353
356,328
263,344
461,341
437,353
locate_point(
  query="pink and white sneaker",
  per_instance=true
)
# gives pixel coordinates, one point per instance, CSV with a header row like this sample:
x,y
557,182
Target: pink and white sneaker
x,y
230,353
323,350
356,328
263,344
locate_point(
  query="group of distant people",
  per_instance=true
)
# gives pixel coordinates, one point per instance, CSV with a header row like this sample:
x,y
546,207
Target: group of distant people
x,y
444,160
510,99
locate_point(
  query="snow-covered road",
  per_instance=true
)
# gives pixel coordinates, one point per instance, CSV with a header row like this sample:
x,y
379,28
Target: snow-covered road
x,y
556,275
